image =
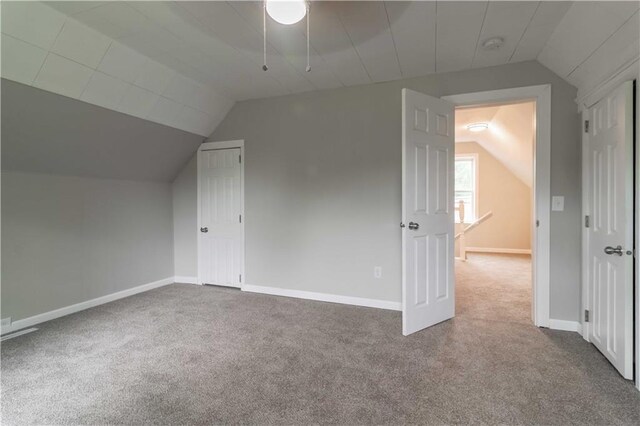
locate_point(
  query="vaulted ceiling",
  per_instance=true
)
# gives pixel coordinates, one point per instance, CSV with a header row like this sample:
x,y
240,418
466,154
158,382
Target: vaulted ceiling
x,y
593,40
184,63
352,43
509,137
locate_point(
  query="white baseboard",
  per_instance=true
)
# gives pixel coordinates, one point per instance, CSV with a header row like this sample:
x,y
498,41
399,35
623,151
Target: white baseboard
x,y
185,279
498,250
57,313
324,297
565,325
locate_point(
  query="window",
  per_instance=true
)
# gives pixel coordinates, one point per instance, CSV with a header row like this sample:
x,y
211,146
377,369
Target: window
x,y
466,187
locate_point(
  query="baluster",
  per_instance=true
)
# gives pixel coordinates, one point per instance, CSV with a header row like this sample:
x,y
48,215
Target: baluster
x,y
462,244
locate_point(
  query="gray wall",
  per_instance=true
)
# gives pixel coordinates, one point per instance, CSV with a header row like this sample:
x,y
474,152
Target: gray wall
x,y
185,243
43,132
71,232
66,240
323,184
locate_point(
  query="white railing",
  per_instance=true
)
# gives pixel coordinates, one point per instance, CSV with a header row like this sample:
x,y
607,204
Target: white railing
x,y
462,244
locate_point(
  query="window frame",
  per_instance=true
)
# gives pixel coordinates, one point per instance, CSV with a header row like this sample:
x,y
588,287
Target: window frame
x,y
476,186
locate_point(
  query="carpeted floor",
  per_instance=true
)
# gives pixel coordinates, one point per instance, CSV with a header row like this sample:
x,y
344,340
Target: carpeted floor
x,y
185,354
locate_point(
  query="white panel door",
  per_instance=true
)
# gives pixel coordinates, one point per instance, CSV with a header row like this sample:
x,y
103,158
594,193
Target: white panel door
x,y
427,211
611,227
221,246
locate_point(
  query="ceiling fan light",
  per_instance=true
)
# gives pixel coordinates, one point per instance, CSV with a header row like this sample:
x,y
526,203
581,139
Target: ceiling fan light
x,y
478,127
286,12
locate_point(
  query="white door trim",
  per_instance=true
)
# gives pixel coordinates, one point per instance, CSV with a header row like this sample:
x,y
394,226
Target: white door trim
x,y
206,146
542,184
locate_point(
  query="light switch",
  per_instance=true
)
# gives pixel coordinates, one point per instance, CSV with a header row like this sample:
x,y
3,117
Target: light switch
x,y
557,203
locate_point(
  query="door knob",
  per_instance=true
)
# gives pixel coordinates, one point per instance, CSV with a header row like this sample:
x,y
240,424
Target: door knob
x,y
611,250
413,226
205,230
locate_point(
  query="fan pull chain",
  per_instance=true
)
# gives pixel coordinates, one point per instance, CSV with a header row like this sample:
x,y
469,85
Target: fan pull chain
x,y
264,35
308,35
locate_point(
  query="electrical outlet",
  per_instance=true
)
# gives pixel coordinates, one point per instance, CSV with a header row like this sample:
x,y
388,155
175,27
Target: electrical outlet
x,y
377,271
5,322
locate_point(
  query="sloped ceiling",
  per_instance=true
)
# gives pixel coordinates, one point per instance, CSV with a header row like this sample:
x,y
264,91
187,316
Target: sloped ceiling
x,y
45,48
43,132
509,137
184,63
352,42
592,41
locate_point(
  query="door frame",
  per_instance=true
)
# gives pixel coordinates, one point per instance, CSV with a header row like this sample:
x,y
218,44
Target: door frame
x,y
209,146
541,244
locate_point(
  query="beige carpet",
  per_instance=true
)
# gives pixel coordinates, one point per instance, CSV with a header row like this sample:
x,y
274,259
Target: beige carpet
x,y
494,287
185,354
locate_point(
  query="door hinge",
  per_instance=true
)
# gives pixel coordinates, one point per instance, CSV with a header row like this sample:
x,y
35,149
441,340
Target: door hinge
x,y
586,315
240,218
240,158
586,221
240,277
537,223
586,126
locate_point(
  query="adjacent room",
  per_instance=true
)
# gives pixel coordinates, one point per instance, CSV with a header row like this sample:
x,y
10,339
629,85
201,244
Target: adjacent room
x,y
319,212
494,205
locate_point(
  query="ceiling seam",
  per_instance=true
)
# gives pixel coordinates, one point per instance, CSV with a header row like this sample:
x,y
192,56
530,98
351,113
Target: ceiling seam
x,y
546,43
96,70
40,69
435,50
318,54
354,48
183,41
84,10
393,40
282,85
601,44
515,49
34,45
486,9
49,52
273,47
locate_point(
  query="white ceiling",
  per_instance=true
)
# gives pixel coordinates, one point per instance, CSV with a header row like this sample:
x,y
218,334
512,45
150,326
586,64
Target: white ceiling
x,y
592,41
220,43
215,47
509,137
44,48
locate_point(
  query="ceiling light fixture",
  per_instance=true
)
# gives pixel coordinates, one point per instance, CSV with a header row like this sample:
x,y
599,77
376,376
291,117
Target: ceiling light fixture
x,y
493,43
478,127
286,12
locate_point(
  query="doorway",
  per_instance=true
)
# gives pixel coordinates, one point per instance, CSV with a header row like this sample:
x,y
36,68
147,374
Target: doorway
x,y
493,204
428,285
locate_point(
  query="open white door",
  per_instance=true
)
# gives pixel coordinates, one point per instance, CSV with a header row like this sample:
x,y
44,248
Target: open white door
x,y
427,211
610,233
220,200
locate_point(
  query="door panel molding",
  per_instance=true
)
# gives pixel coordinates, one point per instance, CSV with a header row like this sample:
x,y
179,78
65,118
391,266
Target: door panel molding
x,y
428,295
212,146
608,200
